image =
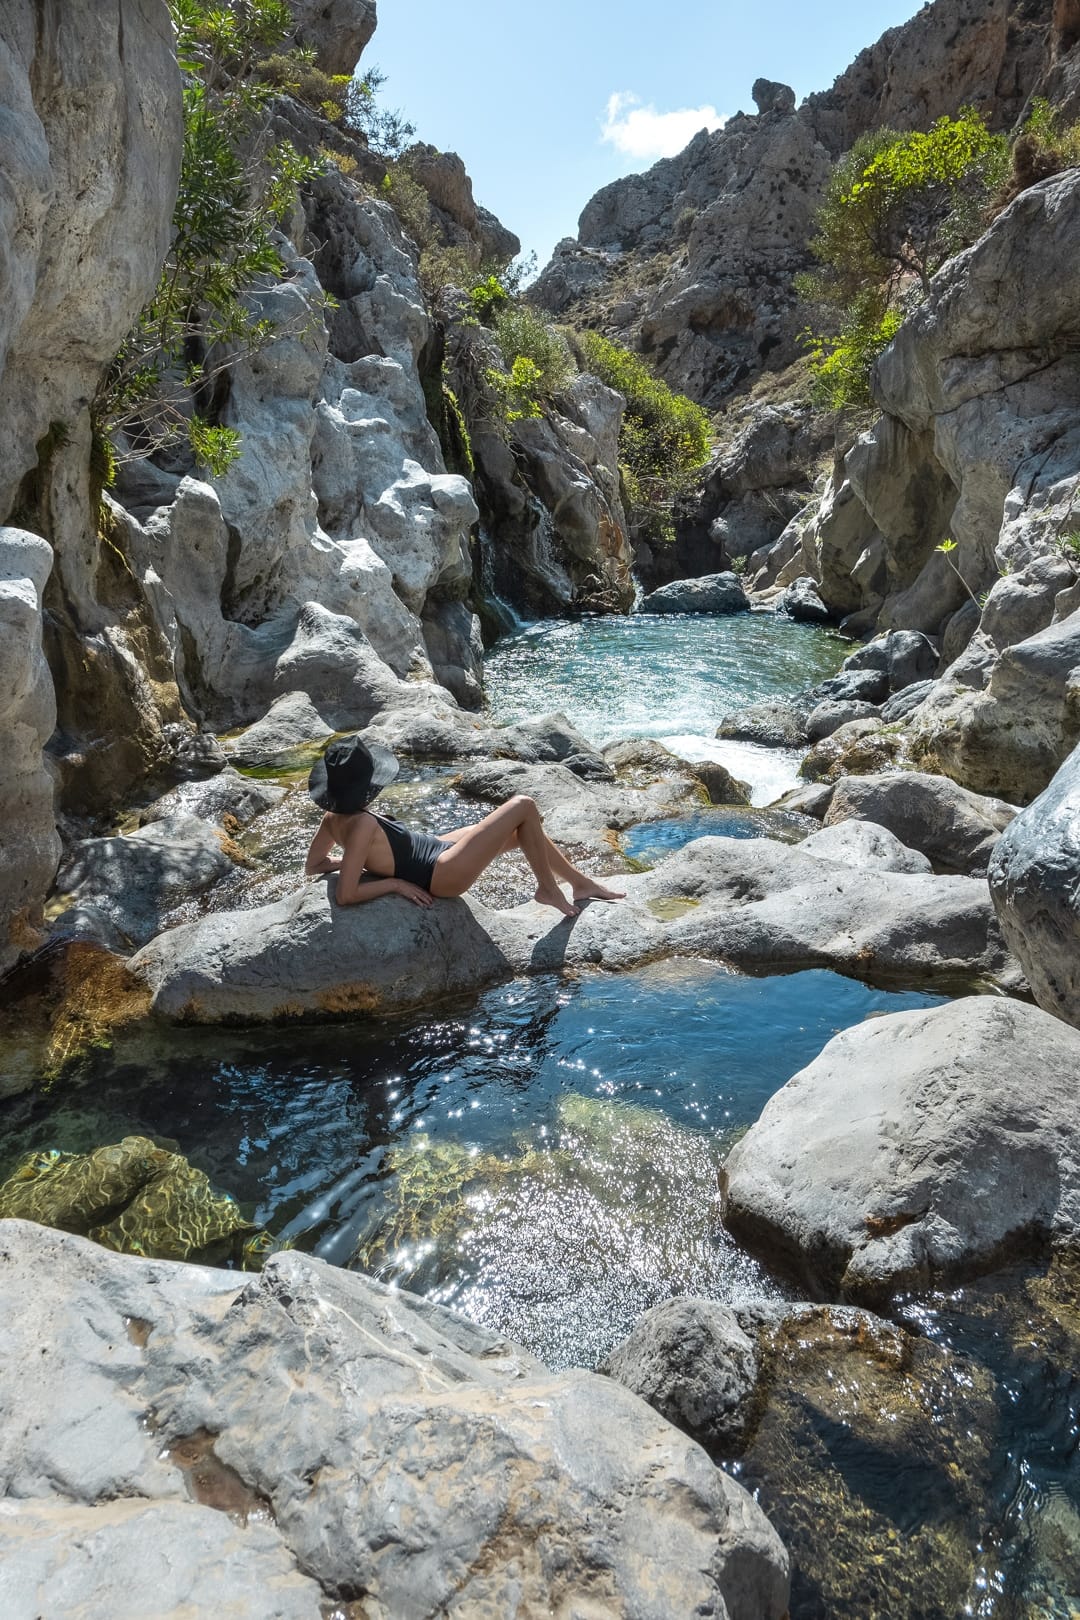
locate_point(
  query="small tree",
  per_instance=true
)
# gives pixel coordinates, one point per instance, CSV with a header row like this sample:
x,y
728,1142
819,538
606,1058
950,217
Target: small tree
x,y
896,208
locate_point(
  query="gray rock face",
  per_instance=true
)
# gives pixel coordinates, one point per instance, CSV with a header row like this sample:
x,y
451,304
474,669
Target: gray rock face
x,y
956,829
801,601
31,846
861,843
829,716
582,807
777,724
386,1447
551,739
1034,882
336,31
134,881
758,905
712,593
918,1146
692,1362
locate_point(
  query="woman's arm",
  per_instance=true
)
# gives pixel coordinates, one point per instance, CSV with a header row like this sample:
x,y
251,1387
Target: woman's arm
x,y
318,856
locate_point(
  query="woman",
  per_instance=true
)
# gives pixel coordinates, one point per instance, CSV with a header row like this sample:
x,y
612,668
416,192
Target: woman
x,y
420,866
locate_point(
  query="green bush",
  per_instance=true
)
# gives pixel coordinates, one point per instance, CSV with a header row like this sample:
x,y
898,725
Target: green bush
x,y
664,439
385,131
896,208
235,186
487,297
841,366
1045,146
522,335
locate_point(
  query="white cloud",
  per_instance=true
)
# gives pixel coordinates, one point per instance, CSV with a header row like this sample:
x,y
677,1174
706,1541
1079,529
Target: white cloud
x,y
638,130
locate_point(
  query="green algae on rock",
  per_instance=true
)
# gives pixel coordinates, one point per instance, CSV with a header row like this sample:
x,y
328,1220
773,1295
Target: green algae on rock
x,y
137,1198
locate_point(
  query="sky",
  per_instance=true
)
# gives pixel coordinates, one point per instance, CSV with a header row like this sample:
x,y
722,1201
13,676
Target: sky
x,y
548,102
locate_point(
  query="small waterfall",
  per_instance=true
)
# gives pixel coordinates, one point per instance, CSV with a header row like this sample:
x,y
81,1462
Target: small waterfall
x,y
542,560
509,621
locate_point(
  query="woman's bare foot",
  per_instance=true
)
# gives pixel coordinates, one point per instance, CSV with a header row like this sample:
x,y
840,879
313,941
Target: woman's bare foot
x,y
554,897
591,890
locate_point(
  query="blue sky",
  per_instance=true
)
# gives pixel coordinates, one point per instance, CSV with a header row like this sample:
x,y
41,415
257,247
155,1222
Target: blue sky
x,y
547,103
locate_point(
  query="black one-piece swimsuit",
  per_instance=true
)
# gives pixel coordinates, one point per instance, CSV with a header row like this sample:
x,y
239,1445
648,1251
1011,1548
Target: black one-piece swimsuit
x,y
415,853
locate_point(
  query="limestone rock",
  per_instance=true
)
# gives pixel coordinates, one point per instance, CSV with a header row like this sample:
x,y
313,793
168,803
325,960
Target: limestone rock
x,y
759,905
1033,879
861,843
134,881
227,800
337,1411
800,601
915,1148
336,31
692,1362
779,723
956,829
551,739
31,846
576,810
829,716
711,593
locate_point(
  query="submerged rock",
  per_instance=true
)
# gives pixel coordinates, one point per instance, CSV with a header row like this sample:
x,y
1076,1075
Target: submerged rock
x,y
1035,882
711,593
826,1408
918,1146
388,1447
135,1197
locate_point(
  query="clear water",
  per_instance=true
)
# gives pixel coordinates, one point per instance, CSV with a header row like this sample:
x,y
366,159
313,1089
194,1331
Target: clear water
x,y
652,840
669,677
537,1158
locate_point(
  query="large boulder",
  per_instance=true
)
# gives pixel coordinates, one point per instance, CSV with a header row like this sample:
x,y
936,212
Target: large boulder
x,y
712,593
336,30
31,845
917,1147
758,905
384,1447
1035,883
956,829
132,882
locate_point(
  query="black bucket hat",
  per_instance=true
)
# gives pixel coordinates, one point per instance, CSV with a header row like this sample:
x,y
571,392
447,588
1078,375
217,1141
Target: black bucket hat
x,y
350,774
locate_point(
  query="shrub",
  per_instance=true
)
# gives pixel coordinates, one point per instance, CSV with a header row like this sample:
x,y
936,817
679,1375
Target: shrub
x,y
386,131
487,297
522,335
842,365
235,186
896,208
663,441
1045,146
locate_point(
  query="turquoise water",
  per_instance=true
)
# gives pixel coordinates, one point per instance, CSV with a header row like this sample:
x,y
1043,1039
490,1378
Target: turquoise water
x,y
540,1158
669,677
652,840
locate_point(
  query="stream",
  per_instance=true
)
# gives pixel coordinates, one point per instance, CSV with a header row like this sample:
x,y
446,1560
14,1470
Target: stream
x,y
544,1157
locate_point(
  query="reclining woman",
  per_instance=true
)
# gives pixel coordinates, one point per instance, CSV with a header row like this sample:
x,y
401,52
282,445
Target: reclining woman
x,y
422,866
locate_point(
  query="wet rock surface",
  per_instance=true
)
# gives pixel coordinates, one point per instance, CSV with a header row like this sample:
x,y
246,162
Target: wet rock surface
x,y
824,1407
710,593
918,1146
330,1406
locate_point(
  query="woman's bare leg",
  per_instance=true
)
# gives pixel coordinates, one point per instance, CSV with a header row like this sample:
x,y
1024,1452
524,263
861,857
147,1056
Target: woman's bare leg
x,y
584,886
474,849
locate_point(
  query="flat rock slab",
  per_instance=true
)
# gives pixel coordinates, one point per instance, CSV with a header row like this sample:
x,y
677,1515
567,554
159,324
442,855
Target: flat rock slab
x,y
757,904
918,1146
389,1450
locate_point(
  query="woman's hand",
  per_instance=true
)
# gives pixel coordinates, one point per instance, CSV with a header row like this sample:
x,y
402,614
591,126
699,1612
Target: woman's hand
x,y
410,891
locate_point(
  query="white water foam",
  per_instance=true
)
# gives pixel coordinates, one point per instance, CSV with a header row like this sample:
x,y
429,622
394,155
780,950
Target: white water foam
x,y
768,772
